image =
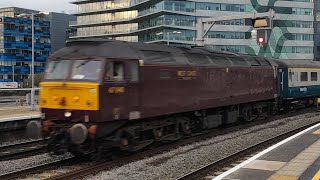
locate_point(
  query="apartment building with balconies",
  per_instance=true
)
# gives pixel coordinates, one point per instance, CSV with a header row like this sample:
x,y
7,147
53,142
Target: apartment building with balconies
x,y
173,22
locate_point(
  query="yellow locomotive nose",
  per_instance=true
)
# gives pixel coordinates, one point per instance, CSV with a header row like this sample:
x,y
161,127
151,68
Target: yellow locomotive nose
x,y
69,95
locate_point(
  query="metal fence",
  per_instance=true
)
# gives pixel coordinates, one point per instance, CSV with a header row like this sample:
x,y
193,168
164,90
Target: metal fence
x,y
17,97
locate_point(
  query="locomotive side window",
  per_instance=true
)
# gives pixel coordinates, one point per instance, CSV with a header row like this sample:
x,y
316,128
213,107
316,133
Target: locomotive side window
x,y
115,71
133,68
314,76
303,76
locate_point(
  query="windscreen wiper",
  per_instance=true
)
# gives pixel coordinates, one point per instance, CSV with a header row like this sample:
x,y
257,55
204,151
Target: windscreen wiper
x,y
83,63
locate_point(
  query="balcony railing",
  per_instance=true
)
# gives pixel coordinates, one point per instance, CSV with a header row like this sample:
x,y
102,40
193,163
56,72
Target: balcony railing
x,y
111,7
74,23
103,32
102,9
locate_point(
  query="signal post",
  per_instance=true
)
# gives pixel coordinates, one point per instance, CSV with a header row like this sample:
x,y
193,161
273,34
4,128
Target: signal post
x,y
261,21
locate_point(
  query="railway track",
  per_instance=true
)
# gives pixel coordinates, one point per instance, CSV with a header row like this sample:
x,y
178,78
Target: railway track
x,y
15,151
40,168
219,165
82,168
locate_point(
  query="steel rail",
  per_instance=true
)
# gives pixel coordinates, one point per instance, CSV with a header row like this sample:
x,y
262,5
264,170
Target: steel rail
x,y
201,172
19,150
39,168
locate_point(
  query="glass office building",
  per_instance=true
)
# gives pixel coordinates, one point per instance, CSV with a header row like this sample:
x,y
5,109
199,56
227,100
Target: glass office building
x,y
317,31
16,46
174,21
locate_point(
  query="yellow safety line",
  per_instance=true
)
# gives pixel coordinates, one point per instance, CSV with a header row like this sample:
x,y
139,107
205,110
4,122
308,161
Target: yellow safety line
x,y
280,177
316,176
316,132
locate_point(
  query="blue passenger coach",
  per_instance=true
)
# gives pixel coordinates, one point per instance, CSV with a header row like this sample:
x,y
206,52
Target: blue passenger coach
x,y
299,81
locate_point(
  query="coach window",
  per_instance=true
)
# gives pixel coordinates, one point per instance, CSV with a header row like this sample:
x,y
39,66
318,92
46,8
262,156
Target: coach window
x,y
314,76
115,71
303,76
291,75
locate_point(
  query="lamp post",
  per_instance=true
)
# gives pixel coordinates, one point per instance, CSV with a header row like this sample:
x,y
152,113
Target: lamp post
x,y
32,63
167,35
32,55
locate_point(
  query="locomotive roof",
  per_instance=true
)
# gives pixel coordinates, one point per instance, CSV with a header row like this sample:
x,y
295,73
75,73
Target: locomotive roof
x,y
155,53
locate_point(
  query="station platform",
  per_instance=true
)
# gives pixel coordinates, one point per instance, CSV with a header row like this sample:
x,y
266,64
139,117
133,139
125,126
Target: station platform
x,y
15,118
15,113
295,158
18,113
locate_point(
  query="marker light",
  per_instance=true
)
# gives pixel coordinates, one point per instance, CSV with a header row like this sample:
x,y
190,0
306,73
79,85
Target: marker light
x,y
67,114
76,98
261,40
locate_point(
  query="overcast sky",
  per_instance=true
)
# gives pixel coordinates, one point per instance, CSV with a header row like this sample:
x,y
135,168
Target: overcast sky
x,y
41,5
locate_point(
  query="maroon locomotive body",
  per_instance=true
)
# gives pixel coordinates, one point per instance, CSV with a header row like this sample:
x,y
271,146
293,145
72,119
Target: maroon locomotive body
x,y
142,93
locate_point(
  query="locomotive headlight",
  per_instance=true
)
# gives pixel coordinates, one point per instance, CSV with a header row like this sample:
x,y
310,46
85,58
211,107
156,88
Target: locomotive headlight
x,y
67,114
55,98
93,91
76,98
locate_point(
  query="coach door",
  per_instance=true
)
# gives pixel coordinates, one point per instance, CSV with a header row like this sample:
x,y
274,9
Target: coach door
x,y
281,82
133,90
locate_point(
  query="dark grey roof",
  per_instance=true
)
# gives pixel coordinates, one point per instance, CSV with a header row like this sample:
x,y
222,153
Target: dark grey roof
x,y
298,63
154,53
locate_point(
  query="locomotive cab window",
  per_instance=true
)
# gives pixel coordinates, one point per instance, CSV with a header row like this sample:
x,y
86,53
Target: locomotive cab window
x,y
57,69
86,70
115,71
304,76
314,76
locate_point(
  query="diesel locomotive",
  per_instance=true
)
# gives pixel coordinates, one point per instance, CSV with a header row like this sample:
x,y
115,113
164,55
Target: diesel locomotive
x,y
99,95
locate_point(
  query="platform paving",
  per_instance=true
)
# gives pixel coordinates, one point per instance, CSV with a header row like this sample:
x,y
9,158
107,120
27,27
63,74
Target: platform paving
x,y
18,111
298,159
